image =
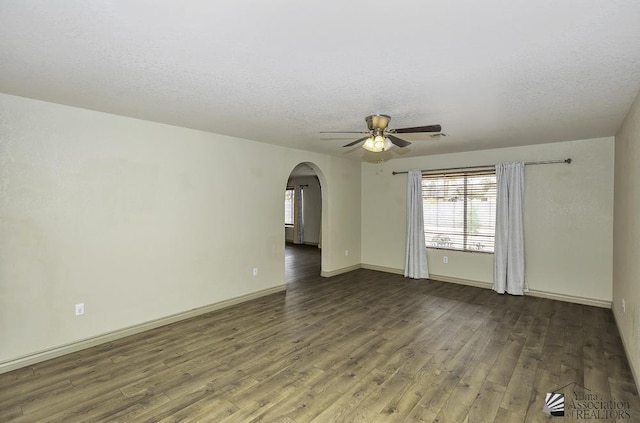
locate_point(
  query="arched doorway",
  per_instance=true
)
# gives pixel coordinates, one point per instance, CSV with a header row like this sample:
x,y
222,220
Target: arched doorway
x,y
303,223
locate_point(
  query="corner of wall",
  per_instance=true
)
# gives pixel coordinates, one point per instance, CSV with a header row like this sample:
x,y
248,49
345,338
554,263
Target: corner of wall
x,y
626,269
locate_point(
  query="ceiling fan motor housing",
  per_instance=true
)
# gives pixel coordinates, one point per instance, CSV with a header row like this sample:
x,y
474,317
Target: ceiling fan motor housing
x,y
377,122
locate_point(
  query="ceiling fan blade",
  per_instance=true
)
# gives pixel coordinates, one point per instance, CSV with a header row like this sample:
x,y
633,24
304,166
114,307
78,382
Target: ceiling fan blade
x,y
355,142
398,141
428,128
344,132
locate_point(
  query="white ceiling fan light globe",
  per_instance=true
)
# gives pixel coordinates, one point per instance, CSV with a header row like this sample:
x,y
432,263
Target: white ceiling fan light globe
x,y
387,144
368,145
378,142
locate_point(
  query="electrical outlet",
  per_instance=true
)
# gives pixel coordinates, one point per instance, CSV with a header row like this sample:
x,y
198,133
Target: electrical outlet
x,y
79,309
624,307
346,252
445,259
255,271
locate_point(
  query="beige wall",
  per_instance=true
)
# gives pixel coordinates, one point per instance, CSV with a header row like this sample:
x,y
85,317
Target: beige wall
x,y
568,218
140,220
626,236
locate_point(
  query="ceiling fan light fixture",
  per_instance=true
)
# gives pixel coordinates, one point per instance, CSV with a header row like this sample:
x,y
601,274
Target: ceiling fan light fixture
x,y
382,139
378,142
387,144
368,145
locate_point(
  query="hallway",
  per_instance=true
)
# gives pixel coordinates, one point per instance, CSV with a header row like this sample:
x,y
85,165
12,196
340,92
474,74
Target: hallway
x,y
302,263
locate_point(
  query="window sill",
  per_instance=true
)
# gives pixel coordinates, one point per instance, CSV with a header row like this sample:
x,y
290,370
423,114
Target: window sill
x,y
460,251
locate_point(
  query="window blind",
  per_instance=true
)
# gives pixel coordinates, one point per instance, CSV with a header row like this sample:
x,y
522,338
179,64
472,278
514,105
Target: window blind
x,y
289,195
460,210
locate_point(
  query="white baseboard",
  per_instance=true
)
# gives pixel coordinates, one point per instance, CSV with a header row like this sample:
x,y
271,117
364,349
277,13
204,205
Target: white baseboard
x,y
48,354
532,293
488,285
468,282
571,298
382,269
337,272
312,244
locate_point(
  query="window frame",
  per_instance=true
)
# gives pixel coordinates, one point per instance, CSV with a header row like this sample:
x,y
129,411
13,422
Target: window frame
x,y
466,197
292,206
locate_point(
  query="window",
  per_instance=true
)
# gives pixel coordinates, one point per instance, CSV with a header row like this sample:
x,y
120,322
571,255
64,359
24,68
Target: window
x,y
289,194
460,210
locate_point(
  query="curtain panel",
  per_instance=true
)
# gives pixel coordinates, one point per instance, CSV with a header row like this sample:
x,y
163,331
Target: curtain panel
x,y
298,213
416,252
509,266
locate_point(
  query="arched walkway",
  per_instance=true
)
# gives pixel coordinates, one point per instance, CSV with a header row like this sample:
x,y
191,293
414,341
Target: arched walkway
x,y
304,200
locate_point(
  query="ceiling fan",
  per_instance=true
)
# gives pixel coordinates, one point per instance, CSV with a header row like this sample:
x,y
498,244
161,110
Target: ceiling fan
x,y
379,138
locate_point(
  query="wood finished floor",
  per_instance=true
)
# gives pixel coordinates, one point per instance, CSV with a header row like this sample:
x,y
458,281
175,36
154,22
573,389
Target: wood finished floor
x,y
364,346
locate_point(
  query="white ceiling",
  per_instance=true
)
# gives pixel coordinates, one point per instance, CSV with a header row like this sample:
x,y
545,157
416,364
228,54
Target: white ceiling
x,y
493,73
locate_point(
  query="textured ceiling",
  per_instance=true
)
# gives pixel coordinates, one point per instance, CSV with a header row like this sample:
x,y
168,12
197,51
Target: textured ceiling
x,y
493,73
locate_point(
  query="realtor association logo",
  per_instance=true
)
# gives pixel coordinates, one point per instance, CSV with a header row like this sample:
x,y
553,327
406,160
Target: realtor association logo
x,y
554,404
582,404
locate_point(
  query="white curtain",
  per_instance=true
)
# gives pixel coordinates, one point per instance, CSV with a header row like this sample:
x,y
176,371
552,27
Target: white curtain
x,y
298,221
416,256
508,273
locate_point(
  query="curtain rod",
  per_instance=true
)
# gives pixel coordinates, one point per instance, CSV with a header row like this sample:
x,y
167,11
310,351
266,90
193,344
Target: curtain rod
x,y
484,167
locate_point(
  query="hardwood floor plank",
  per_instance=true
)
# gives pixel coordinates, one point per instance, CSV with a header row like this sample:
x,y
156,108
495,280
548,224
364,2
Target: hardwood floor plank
x,y
72,409
39,396
418,414
464,394
506,416
595,374
519,392
167,410
311,404
351,398
130,409
16,377
496,337
572,361
10,413
486,404
205,409
401,406
351,371
364,346
374,403
545,381
551,358
506,363
437,394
